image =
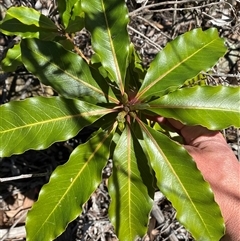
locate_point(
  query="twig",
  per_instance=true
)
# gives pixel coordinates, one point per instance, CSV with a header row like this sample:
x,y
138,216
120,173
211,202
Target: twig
x,y
160,4
223,75
79,52
181,9
23,211
175,14
154,26
217,22
149,40
23,176
12,233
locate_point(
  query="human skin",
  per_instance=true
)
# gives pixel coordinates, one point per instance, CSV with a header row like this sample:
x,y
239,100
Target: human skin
x,y
219,166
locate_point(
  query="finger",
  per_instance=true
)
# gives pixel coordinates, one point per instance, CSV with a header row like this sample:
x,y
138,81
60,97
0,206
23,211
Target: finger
x,y
193,135
221,169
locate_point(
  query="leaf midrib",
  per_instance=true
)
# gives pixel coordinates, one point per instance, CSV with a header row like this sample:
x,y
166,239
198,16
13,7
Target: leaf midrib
x,y
169,165
77,79
197,108
129,177
113,50
84,114
74,180
150,85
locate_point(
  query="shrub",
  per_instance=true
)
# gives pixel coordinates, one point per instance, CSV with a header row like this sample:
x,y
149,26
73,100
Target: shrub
x,y
114,94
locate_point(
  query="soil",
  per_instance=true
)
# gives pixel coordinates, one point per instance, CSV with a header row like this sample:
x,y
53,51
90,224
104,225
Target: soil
x,y
152,25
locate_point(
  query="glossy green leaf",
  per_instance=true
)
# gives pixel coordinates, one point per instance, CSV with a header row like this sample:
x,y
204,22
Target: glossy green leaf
x,y
36,123
76,24
182,183
64,71
131,204
70,186
77,21
107,21
71,14
12,59
106,85
180,60
213,107
65,8
35,25
33,17
135,73
66,43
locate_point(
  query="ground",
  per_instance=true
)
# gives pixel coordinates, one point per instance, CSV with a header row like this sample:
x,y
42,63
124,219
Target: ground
x,y
152,25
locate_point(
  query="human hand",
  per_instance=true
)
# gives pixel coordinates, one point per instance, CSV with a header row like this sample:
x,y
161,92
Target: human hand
x,y
219,167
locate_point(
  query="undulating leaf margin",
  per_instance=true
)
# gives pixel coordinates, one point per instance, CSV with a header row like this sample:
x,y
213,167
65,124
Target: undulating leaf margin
x,y
131,204
215,107
190,194
180,60
36,25
60,201
38,122
107,21
64,71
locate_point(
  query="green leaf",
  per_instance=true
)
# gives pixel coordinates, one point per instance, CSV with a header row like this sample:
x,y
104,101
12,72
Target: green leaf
x,y
36,123
131,204
213,107
106,84
180,60
12,59
107,21
64,71
76,25
135,73
70,186
28,23
65,8
31,16
182,183
66,43
71,14
77,21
